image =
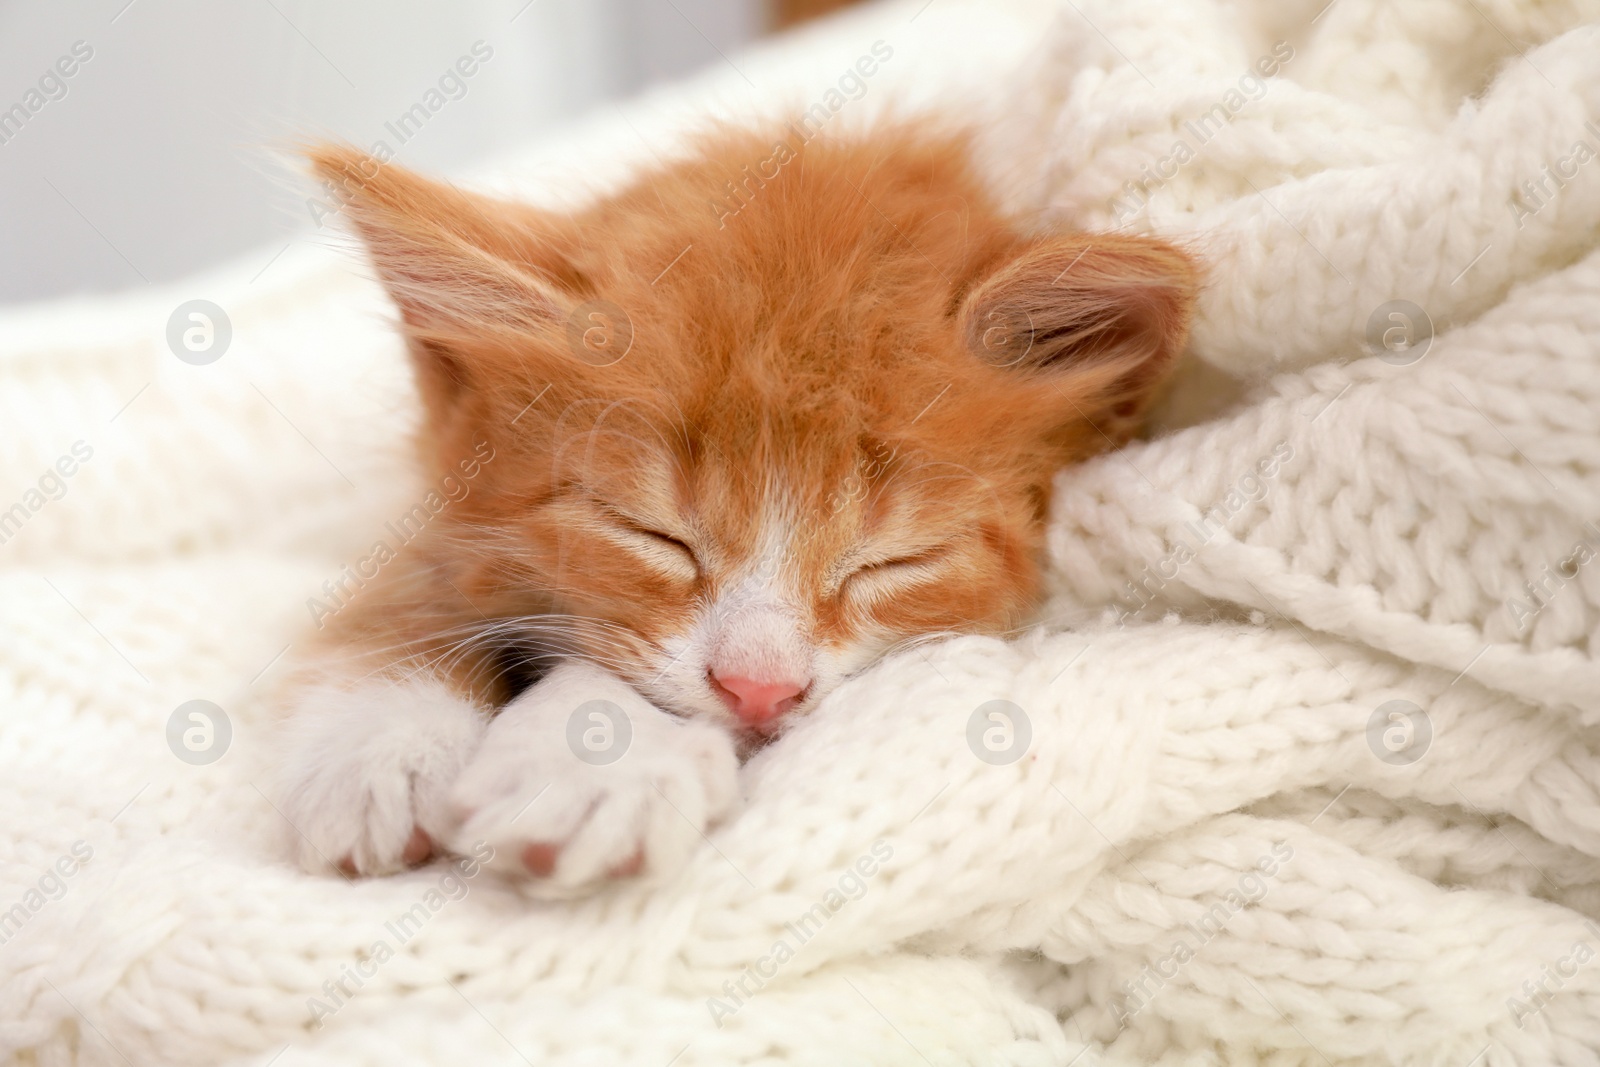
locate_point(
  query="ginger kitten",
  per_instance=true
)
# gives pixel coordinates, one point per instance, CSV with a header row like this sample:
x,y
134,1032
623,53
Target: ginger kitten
x,y
731,434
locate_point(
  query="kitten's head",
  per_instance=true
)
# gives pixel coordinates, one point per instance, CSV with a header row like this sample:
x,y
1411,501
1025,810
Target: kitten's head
x,y
769,411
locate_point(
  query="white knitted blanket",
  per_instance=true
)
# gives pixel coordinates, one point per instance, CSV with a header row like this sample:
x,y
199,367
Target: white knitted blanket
x,y
1312,778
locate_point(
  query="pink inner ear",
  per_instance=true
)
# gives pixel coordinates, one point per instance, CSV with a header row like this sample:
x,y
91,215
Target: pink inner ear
x,y
1106,311
454,262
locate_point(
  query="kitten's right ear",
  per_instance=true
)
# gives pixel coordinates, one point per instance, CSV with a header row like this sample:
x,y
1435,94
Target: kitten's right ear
x,y
461,267
1092,323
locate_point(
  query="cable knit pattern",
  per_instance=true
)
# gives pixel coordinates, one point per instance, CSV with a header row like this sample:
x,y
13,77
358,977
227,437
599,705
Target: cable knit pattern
x,y
1312,770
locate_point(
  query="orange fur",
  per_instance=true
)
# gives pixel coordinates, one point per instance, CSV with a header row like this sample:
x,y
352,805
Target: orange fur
x,y
864,354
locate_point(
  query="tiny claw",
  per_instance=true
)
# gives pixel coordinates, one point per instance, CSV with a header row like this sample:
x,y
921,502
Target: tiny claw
x,y
628,868
540,860
347,866
418,848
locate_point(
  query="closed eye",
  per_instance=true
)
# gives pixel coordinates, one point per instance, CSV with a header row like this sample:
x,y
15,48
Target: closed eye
x,y
887,575
662,538
668,552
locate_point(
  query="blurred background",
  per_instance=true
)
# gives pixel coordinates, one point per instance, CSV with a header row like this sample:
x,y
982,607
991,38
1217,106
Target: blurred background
x,y
133,133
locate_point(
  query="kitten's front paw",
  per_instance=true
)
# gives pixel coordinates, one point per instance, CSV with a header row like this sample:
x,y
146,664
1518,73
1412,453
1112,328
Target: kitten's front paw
x,y
366,772
581,780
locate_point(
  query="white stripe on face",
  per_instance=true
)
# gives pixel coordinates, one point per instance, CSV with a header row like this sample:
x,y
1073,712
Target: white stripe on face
x,y
757,626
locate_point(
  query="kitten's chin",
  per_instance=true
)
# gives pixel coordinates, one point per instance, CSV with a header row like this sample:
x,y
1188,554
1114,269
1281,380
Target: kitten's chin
x,y
752,739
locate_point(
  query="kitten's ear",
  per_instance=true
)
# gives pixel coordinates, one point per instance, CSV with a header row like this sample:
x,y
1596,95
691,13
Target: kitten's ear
x,y
1099,318
460,266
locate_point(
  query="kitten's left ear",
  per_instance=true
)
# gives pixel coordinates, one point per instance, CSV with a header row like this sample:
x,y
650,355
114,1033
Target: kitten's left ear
x,y
457,264
484,286
1099,318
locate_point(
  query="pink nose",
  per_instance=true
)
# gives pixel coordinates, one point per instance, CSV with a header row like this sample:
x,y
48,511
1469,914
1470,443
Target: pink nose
x,y
757,703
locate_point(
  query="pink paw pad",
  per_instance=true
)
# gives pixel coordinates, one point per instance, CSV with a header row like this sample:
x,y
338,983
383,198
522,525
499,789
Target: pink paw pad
x,y
540,860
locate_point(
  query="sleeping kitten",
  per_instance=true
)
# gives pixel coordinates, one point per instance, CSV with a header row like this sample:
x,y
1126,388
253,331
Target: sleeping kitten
x,y
731,433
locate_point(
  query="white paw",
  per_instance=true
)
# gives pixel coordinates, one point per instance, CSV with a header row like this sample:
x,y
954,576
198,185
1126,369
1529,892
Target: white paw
x,y
365,773
572,793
